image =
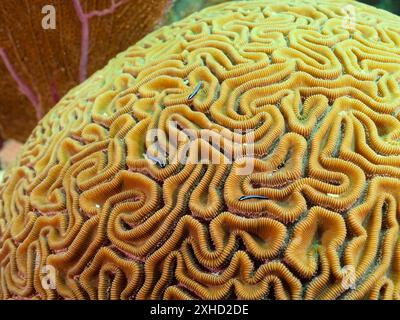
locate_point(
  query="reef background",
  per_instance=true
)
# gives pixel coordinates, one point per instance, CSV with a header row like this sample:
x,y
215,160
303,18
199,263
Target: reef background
x,y
389,5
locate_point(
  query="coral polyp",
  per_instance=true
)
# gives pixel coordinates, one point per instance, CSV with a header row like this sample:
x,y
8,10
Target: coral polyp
x,y
312,92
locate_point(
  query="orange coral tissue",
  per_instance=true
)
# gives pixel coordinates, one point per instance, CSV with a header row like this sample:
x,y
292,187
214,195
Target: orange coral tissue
x,y
110,211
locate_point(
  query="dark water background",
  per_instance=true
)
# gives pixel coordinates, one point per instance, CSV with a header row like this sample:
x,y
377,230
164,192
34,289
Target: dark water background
x,y
389,5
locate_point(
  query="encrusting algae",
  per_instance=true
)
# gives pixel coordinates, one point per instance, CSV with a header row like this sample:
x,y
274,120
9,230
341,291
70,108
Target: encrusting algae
x,y
91,197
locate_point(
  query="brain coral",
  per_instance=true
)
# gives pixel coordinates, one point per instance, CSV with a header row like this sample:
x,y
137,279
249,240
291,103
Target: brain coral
x,y
320,95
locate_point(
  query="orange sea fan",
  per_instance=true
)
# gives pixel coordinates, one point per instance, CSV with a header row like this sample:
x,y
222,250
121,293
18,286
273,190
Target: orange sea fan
x,y
43,64
127,188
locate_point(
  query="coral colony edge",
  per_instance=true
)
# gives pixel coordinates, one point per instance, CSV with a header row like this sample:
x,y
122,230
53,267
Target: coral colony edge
x,y
249,151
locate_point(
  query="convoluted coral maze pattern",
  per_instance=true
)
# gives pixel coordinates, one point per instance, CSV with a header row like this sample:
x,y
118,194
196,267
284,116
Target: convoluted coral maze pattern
x,y
323,100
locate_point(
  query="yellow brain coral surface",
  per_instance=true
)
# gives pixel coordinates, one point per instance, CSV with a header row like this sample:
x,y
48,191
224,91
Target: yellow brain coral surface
x,y
92,200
